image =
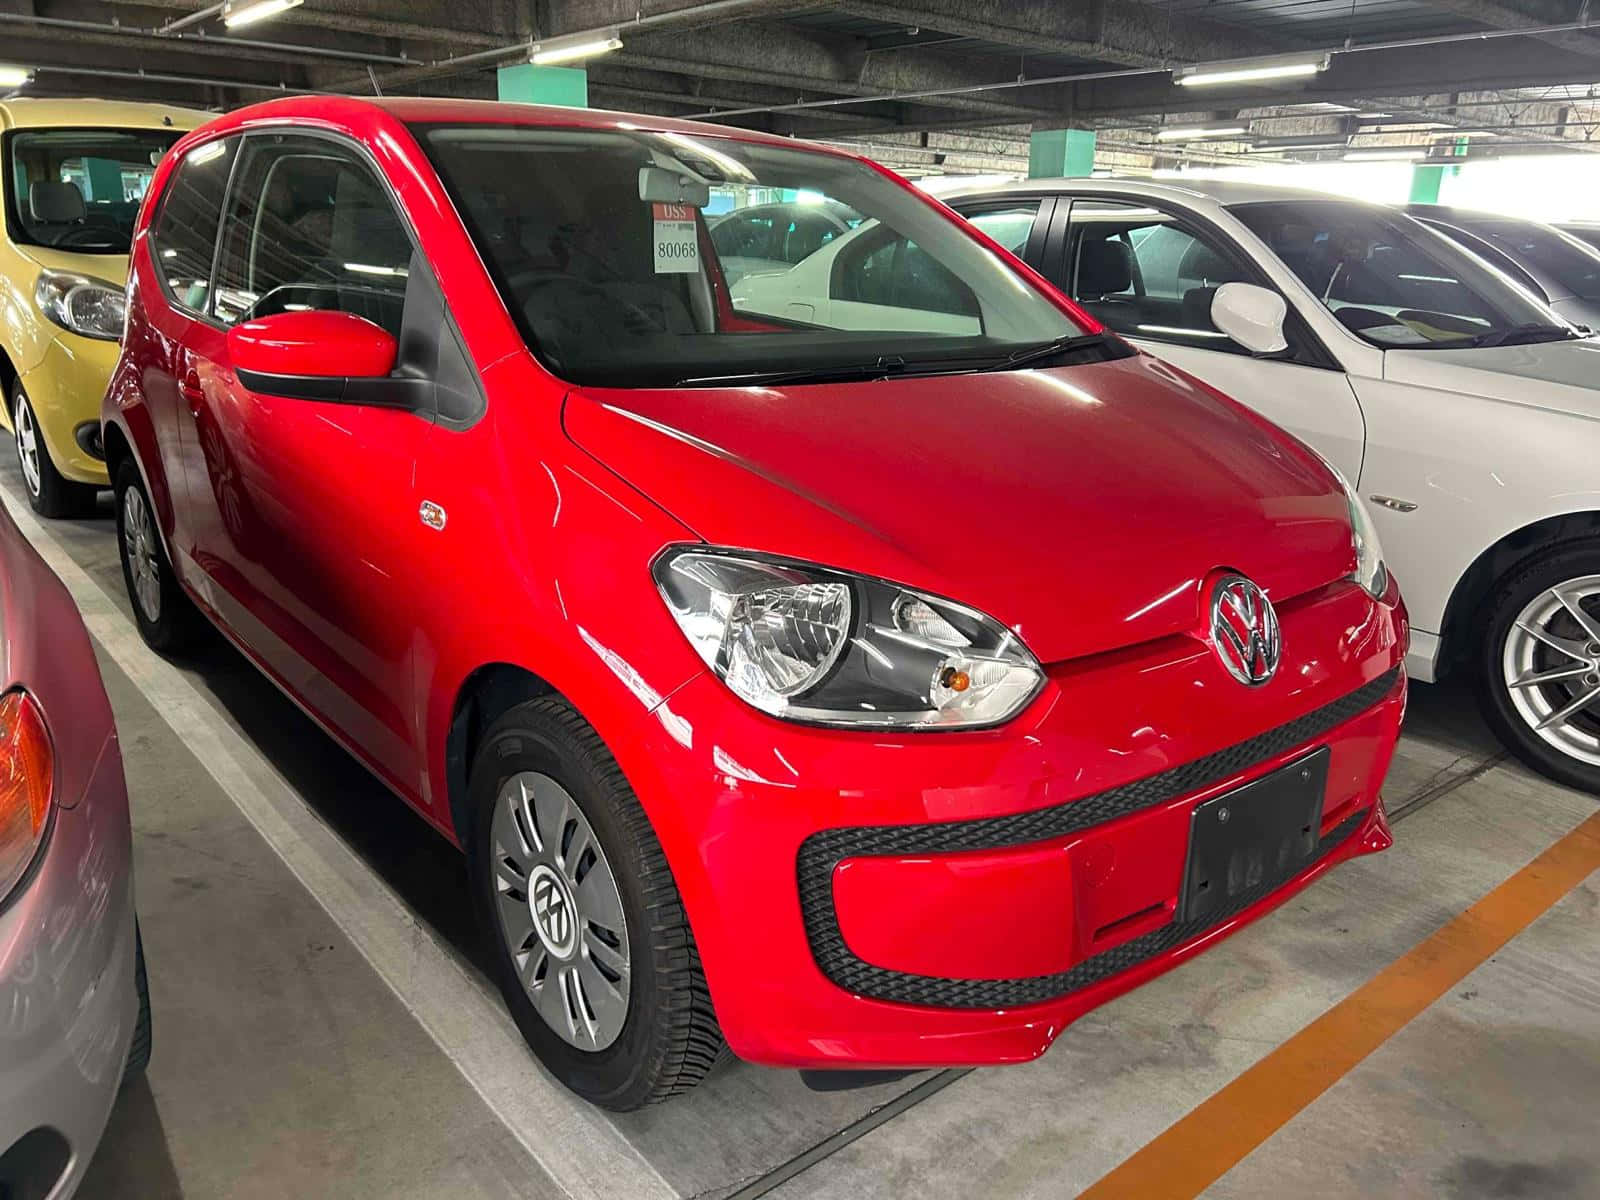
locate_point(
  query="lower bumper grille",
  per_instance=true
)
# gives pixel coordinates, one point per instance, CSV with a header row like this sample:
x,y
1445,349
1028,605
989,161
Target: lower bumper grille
x,y
822,852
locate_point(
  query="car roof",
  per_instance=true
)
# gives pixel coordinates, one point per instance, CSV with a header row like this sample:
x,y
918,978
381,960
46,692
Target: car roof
x,y
1223,192
33,113
433,110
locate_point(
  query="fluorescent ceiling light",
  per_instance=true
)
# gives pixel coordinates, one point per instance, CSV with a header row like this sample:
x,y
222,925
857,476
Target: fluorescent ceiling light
x,y
570,49
238,13
1187,132
1248,70
11,77
1398,154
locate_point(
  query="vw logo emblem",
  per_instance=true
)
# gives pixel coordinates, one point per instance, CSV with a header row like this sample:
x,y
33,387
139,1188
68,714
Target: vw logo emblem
x,y
552,911
1244,630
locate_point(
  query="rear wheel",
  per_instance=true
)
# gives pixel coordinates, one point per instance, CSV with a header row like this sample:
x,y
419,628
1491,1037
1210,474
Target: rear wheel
x,y
139,1048
1539,663
49,492
592,949
166,617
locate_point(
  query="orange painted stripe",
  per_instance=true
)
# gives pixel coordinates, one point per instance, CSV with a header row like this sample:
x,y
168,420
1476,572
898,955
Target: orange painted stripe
x,y
1203,1146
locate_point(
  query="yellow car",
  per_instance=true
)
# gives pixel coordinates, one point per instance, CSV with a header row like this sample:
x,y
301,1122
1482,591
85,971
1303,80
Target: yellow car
x,y
72,174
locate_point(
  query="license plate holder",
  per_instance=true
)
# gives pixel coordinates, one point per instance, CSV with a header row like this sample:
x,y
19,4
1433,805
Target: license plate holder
x,y
1260,834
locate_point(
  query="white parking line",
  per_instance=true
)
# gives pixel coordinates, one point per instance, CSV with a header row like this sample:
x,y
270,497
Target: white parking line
x,y
576,1144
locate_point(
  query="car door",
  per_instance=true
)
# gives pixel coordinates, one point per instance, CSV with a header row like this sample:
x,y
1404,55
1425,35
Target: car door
x,y
304,511
179,333
1149,273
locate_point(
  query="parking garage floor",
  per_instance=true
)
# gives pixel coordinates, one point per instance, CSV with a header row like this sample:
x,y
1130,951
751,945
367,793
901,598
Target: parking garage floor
x,y
1424,1022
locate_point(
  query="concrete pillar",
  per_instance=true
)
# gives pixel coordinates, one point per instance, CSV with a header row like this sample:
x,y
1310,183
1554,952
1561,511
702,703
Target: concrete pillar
x,y
525,83
1060,152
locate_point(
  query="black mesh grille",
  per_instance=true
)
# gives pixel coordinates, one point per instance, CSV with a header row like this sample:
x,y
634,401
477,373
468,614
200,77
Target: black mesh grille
x,y
821,853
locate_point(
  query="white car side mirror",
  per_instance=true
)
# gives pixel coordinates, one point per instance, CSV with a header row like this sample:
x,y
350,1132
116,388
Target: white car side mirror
x,y
1252,316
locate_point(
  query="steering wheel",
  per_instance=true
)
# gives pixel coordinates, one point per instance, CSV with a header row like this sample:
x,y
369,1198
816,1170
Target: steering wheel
x,y
526,283
84,233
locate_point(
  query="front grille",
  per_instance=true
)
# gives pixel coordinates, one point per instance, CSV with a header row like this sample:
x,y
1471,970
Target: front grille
x,y
822,852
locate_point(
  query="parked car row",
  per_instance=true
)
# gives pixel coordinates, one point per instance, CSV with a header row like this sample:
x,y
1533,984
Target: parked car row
x,y
774,604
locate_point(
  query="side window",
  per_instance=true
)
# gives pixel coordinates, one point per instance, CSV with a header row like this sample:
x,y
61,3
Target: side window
x,y
895,272
1010,225
743,236
183,236
310,227
1145,273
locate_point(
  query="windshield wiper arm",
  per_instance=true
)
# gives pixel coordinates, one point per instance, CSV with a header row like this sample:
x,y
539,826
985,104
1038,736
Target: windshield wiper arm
x,y
1532,331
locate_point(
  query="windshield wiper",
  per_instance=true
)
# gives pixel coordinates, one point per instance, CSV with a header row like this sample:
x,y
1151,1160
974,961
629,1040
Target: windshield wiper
x,y
1061,345
1521,335
882,367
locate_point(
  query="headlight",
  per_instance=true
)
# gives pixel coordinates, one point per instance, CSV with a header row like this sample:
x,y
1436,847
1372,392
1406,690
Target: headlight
x,y
1370,572
85,305
26,774
809,644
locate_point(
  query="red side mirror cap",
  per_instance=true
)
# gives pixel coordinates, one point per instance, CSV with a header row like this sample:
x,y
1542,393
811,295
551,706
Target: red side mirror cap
x,y
312,344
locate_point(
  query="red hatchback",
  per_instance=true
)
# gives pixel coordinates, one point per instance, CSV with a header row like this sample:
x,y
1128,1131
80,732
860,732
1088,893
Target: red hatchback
x,y
869,663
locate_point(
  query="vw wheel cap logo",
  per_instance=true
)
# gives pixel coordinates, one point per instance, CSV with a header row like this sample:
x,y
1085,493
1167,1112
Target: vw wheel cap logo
x,y
553,914
1244,630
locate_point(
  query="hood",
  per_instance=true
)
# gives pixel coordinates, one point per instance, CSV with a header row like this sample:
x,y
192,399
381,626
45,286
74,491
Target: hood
x,y
113,268
1557,376
1082,506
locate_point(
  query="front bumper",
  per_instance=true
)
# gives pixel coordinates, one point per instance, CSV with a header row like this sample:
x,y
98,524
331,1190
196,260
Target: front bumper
x,y
65,389
68,1003
900,901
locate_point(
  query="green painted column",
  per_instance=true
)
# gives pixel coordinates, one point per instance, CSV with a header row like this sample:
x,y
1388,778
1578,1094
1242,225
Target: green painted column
x,y
525,83
1060,152
1425,184
1425,179
105,179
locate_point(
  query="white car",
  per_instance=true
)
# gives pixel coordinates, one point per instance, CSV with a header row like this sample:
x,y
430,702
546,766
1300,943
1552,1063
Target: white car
x,y
872,278
1466,411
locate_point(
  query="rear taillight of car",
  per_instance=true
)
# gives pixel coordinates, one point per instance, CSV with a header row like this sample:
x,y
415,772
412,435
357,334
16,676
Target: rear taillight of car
x,y
27,768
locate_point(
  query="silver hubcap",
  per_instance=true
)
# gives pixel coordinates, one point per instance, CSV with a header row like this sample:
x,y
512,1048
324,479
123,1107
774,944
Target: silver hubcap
x,y
139,545
27,444
560,911
1552,667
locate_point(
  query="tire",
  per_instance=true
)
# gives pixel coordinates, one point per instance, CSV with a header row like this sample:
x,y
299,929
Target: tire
x,y
543,776
167,618
49,493
1541,593
139,1048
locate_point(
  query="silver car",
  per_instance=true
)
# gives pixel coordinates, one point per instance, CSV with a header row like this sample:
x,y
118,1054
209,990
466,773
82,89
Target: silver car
x,y
74,1009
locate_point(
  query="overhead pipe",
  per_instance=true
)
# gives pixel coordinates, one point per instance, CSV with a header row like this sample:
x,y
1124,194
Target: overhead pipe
x,y
289,50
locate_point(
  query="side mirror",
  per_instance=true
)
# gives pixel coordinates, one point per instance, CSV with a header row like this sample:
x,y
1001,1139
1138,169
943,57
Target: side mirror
x,y
311,355
1252,316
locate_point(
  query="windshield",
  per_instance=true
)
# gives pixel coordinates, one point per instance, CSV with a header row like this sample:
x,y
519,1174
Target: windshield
x,y
1395,282
647,259
79,189
1571,264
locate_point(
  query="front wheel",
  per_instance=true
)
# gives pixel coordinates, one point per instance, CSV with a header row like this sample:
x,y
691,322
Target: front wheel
x,y
592,949
166,617
1539,663
49,492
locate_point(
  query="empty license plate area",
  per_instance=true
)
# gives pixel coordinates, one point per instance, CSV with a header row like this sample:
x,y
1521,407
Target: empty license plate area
x,y
1253,837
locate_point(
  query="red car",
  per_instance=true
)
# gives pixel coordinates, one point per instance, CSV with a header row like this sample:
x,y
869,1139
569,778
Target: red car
x,y
875,674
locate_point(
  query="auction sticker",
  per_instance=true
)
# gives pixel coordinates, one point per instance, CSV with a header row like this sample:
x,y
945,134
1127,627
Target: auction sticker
x,y
677,240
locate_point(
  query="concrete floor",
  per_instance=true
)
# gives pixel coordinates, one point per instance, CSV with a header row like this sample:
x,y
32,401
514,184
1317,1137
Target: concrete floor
x,y
323,1026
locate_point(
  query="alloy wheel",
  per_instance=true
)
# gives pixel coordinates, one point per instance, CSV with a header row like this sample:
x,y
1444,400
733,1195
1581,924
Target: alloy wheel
x,y
560,912
1551,667
139,545
27,443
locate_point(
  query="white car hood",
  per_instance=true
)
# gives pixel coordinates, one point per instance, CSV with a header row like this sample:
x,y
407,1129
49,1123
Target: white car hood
x,y
1556,376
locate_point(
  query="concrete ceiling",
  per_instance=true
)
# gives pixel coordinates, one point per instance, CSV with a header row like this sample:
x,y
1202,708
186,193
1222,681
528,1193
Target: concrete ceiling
x,y
957,83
